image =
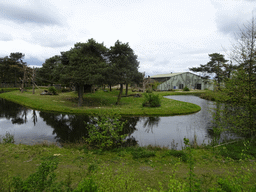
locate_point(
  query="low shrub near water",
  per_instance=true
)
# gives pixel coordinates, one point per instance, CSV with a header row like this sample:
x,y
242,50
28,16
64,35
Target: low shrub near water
x,y
8,138
106,133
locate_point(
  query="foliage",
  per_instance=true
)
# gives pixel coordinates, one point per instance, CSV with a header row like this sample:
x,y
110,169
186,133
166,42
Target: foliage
x,y
106,133
84,64
41,180
142,153
151,100
124,65
53,90
12,68
155,84
86,185
193,181
217,66
50,71
186,89
8,138
181,154
238,113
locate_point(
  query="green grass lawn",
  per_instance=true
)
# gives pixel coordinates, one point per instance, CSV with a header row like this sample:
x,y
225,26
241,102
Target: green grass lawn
x,y
129,169
101,102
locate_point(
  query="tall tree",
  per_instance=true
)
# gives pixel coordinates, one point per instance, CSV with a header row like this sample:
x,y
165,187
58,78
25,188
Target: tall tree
x,y
214,67
50,71
12,68
124,64
84,64
240,89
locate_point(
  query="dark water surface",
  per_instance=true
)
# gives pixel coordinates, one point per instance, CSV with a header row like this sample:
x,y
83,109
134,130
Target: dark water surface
x,y
32,126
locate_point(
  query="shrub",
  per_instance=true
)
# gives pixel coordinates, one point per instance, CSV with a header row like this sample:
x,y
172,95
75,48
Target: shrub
x,y
151,100
8,138
181,154
142,153
186,89
53,90
106,133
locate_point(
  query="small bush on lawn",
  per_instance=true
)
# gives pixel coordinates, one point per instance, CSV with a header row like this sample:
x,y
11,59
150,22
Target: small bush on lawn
x,y
151,100
186,89
53,90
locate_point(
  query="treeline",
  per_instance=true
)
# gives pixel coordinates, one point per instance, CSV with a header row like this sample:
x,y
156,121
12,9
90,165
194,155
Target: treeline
x,y
13,69
236,93
92,63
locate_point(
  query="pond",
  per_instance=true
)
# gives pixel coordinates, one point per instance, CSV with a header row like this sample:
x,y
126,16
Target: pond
x,y
31,126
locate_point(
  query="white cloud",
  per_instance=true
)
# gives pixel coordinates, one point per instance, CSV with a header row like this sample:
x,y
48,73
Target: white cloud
x,y
166,35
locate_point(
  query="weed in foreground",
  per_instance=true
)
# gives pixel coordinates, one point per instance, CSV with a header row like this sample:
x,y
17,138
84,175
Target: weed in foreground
x,y
8,138
141,152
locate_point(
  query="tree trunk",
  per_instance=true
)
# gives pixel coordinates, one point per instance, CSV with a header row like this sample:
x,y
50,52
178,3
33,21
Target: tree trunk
x,y
24,79
110,88
120,94
33,80
126,89
80,91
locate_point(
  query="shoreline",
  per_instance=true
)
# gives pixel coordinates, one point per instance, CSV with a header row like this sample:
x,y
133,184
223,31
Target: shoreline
x,y
102,103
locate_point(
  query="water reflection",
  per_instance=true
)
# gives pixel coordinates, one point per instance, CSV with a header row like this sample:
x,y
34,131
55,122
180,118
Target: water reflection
x,y
31,126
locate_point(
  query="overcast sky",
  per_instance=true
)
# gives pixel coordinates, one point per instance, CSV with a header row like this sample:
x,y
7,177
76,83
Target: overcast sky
x,y
167,35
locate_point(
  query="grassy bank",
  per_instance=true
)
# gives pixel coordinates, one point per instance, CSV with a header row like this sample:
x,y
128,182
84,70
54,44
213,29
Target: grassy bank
x,y
125,169
101,102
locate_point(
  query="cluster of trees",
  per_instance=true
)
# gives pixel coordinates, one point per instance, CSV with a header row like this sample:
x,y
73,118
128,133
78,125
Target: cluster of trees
x,y
218,68
13,69
92,63
239,80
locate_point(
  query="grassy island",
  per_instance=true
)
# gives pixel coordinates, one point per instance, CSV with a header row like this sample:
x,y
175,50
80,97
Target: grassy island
x,y
101,102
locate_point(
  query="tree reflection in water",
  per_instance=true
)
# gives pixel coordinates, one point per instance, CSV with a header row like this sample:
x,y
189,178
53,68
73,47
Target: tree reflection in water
x,y
14,112
73,128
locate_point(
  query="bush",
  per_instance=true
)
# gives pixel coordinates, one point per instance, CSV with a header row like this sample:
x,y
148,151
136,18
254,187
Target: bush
x,y
8,138
186,89
53,90
142,153
151,100
181,154
106,133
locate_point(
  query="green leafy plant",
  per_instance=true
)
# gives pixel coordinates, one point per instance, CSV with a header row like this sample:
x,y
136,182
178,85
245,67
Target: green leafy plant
x,y
106,133
186,89
8,138
181,154
53,90
141,152
193,182
86,185
42,179
151,100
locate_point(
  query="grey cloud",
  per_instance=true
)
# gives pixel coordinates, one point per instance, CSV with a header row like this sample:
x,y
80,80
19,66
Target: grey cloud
x,y
33,61
5,37
38,14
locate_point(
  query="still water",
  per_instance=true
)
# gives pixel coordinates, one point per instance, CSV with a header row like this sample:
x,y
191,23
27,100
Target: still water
x,y
32,126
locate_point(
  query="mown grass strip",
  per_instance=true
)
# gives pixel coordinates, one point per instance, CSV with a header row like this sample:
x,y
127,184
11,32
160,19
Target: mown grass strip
x,y
101,102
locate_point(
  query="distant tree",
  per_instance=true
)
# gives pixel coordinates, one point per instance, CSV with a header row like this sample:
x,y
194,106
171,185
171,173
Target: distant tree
x,y
214,67
12,68
124,64
84,64
50,71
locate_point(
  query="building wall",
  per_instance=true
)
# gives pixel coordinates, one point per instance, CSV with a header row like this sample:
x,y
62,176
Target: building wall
x,y
189,80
